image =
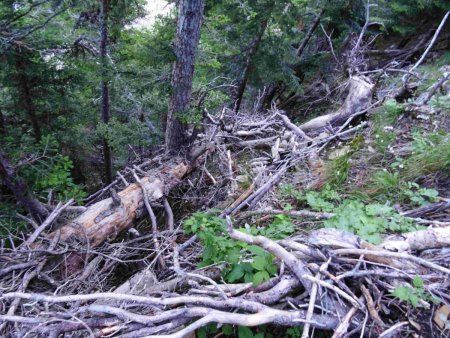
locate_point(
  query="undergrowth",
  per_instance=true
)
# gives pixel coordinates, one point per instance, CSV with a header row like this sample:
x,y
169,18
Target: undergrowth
x,y
390,181
367,220
243,262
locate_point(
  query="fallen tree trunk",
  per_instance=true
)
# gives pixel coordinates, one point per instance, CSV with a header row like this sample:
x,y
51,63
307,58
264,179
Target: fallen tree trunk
x,y
347,243
358,98
432,238
104,220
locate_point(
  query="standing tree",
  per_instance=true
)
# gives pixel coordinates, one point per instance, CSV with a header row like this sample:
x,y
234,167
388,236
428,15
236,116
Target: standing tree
x,y
189,21
253,48
107,158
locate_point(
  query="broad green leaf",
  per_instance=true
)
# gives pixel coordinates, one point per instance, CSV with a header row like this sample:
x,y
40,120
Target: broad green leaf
x,y
259,263
418,282
245,332
227,330
258,278
402,293
256,250
236,273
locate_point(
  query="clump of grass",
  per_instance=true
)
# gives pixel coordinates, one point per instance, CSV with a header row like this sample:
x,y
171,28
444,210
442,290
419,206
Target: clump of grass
x,y
337,171
443,60
384,185
442,103
383,118
430,154
431,72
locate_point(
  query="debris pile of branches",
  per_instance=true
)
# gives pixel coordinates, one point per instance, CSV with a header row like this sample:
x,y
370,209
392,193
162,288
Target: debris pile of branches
x,y
62,280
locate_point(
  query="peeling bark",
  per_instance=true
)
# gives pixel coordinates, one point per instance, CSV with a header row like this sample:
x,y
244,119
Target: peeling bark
x,y
104,220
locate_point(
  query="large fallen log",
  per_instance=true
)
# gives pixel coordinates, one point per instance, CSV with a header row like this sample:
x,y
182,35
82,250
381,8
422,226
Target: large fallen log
x,y
358,98
432,238
104,220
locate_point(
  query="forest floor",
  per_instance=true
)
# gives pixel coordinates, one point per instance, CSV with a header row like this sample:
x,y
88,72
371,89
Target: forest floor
x,y
337,227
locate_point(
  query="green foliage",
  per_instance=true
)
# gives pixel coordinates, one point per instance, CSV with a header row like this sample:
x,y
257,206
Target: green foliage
x,y
419,195
289,190
232,331
338,169
441,102
9,223
323,200
384,118
429,154
245,332
208,329
368,221
293,332
121,135
51,171
391,110
384,185
281,227
401,16
413,295
244,262
391,186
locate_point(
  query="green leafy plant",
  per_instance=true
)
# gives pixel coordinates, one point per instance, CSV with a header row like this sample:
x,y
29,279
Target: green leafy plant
x,y
414,294
338,169
441,102
52,171
293,332
235,331
323,200
245,332
383,120
245,262
281,227
368,221
318,200
288,190
384,185
419,195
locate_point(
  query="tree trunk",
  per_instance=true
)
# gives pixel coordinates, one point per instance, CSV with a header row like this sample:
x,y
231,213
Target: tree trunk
x,y
311,30
106,219
19,188
105,91
190,18
25,99
2,123
248,63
